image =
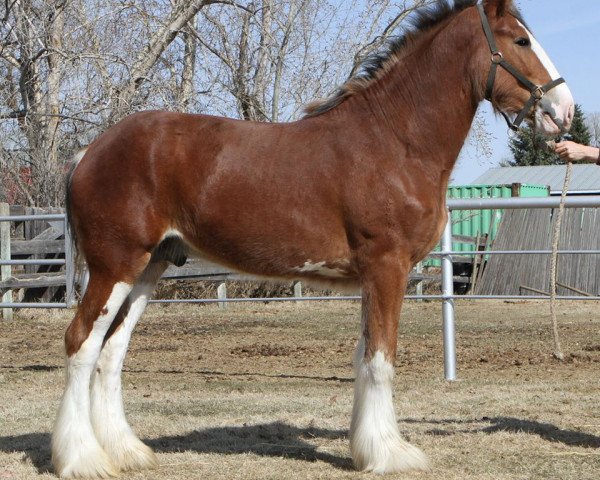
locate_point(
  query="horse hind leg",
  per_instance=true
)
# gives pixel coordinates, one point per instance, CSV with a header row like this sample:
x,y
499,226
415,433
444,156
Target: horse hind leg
x,y
113,432
375,440
76,452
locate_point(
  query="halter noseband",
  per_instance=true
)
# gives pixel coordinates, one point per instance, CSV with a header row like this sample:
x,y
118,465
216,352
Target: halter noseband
x,y
537,92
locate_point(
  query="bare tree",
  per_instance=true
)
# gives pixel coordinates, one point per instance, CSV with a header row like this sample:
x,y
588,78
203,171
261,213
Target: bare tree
x,y
275,56
592,121
390,29
69,69
185,91
48,92
182,12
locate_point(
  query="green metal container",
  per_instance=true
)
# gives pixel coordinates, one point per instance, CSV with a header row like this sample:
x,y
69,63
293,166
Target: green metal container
x,y
473,223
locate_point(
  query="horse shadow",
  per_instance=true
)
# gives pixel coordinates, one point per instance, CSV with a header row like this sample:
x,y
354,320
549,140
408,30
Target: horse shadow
x,y
275,439
546,431
32,446
279,439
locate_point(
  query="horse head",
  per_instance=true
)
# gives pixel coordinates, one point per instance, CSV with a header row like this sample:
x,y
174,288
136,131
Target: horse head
x,y
527,85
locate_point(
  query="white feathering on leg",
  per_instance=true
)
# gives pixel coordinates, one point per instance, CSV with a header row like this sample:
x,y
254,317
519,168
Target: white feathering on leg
x,y
375,440
76,452
108,416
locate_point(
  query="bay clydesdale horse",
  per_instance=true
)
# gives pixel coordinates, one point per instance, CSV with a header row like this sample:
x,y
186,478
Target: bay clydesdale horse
x,y
353,193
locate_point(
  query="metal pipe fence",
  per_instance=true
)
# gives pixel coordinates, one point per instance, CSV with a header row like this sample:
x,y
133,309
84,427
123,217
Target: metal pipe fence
x,y
447,267
446,252
58,261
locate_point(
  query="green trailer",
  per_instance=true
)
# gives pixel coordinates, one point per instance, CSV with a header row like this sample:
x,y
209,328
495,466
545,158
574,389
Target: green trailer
x,y
474,223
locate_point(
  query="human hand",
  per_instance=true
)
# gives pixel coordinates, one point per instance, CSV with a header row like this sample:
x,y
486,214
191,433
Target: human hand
x,y
575,152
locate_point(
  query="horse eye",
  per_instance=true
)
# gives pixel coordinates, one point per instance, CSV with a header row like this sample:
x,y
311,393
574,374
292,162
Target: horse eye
x,y
523,42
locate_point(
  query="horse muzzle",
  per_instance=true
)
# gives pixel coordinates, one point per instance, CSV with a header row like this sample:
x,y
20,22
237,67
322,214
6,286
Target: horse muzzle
x,y
554,112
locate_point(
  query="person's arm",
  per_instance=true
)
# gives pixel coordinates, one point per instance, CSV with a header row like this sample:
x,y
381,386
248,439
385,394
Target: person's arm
x,y
575,152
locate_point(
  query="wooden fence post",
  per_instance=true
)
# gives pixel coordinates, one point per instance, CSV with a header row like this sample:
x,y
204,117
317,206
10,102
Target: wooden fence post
x,y
222,294
298,289
5,270
420,282
69,267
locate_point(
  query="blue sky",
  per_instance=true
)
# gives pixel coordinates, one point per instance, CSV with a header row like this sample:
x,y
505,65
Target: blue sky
x,y
569,31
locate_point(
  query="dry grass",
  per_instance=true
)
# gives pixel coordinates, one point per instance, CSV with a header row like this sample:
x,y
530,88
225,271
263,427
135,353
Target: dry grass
x,y
264,391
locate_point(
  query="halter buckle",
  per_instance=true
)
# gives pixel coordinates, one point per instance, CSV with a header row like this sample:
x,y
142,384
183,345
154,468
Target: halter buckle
x,y
538,93
497,57
512,131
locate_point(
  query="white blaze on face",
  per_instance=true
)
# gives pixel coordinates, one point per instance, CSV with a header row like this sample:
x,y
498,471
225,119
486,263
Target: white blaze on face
x,y
555,110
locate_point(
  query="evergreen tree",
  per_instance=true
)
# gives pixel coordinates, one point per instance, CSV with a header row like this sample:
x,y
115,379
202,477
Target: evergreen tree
x,y
529,147
579,131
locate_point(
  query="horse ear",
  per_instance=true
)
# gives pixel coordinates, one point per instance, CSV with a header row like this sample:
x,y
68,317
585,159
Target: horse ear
x,y
497,8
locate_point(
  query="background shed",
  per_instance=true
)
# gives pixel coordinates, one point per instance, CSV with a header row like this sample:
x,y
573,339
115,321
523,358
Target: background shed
x,y
585,179
532,230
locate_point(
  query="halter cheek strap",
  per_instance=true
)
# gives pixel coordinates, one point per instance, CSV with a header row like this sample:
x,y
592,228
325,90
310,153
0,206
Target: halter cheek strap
x,y
537,92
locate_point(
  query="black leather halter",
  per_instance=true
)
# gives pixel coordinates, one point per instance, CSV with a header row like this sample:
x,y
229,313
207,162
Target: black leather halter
x,y
537,92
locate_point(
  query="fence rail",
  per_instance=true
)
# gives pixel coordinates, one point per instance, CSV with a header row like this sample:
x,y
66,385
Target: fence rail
x,y
446,253
46,242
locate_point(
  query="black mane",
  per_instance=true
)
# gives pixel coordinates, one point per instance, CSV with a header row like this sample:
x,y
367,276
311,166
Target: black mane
x,y
420,21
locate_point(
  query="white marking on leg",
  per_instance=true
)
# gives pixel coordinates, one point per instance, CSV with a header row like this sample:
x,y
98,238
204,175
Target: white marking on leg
x,y
76,452
108,416
375,440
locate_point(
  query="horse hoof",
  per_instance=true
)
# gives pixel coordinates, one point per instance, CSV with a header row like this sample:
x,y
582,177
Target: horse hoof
x,y
89,463
131,454
389,456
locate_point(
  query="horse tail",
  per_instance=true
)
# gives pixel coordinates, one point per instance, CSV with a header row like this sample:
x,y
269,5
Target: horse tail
x,y
78,257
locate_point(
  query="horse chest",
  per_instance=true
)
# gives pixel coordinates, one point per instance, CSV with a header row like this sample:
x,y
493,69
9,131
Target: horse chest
x,y
419,229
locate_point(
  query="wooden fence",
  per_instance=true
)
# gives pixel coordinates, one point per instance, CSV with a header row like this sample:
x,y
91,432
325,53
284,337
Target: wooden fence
x,y
31,241
530,274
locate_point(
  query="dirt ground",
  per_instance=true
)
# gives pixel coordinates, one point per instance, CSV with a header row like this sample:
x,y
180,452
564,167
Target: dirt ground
x,y
264,391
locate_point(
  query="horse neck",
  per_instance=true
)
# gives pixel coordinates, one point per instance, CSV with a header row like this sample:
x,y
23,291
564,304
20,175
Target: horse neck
x,y
428,98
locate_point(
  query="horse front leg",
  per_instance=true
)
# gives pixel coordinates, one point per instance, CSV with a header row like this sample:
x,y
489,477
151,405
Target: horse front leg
x,y
375,440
